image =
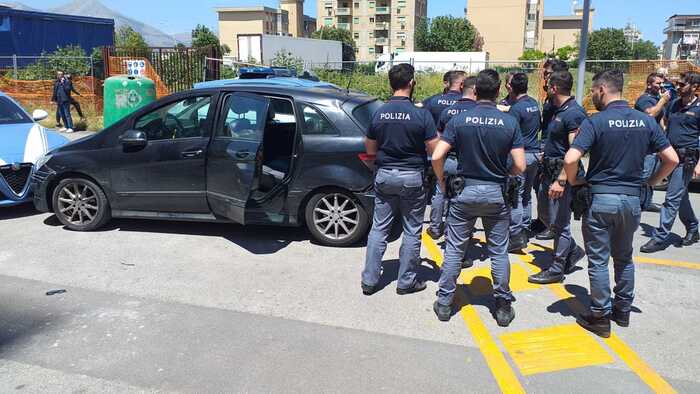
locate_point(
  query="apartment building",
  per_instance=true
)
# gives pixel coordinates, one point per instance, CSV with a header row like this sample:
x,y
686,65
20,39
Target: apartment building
x,y
564,30
508,27
682,37
378,26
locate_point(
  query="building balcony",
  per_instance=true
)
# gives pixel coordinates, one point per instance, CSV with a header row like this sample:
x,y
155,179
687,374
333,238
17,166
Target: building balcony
x,y
383,11
381,41
682,28
345,26
382,26
343,11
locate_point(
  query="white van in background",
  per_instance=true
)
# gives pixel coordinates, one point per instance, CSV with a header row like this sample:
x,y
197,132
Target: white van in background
x,y
471,62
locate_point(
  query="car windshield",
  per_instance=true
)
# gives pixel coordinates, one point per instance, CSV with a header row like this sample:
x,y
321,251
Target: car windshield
x,y
10,113
364,113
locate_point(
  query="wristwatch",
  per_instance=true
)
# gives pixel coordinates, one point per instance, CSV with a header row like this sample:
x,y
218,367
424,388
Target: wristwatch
x,y
561,183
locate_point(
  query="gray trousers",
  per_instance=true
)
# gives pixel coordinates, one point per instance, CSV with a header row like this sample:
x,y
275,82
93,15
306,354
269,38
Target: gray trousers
x,y
485,202
521,217
608,230
557,216
677,203
438,206
401,194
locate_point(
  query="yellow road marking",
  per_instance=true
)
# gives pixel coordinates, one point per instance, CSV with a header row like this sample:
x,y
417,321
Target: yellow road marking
x,y
617,345
670,263
554,349
501,370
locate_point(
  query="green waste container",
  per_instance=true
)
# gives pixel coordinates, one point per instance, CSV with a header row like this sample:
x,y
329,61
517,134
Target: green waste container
x,y
124,95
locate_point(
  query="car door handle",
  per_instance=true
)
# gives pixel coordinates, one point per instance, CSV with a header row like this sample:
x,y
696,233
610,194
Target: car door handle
x,y
242,154
191,154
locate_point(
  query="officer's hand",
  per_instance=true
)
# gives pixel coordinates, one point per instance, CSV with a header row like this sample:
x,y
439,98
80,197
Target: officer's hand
x,y
556,191
666,96
696,172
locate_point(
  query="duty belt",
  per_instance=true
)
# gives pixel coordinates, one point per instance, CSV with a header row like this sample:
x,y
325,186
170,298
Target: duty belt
x,y
688,157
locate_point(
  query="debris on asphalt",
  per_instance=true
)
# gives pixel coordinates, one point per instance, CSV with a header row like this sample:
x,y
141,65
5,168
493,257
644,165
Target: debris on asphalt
x,y
54,292
129,264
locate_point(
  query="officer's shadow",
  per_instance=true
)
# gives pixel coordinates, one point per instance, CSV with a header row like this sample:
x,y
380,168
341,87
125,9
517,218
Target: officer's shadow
x,y
578,303
427,271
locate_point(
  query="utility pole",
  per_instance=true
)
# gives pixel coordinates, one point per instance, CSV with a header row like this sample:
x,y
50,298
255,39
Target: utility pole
x,y
580,83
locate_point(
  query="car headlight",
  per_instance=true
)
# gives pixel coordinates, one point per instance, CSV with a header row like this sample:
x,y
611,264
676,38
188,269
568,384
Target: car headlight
x,y
41,161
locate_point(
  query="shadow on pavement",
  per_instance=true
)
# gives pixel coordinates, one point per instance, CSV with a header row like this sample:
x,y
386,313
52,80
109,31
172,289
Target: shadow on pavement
x,y
18,211
390,272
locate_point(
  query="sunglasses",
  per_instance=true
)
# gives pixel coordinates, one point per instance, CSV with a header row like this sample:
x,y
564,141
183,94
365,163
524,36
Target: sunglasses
x,y
681,84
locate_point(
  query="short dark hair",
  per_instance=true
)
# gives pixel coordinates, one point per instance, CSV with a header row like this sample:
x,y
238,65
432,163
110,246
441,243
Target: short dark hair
x,y
563,80
556,65
401,75
487,84
446,77
519,83
469,83
691,77
455,76
613,79
653,76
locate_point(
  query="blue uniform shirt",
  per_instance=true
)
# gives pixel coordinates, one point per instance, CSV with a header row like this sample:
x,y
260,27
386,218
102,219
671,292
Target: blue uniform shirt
x,y
526,111
683,124
618,139
547,114
565,120
483,138
462,105
646,101
401,130
438,103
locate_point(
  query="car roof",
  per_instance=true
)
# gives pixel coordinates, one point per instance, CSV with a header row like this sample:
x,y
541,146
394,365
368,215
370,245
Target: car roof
x,y
281,82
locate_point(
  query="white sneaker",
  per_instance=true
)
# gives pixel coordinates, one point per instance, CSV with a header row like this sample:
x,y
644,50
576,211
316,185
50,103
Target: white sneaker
x,y
70,131
62,129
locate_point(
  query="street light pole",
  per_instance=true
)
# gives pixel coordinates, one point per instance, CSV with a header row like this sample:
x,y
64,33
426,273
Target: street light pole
x,y
582,52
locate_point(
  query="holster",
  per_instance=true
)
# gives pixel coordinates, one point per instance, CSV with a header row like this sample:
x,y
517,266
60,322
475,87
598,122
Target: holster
x,y
510,190
552,168
689,157
454,184
581,200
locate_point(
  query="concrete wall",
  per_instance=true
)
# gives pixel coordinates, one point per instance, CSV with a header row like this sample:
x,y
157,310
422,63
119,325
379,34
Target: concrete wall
x,y
295,8
501,24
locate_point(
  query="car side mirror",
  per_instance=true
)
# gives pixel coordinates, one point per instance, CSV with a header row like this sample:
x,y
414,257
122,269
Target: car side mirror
x,y
134,139
39,115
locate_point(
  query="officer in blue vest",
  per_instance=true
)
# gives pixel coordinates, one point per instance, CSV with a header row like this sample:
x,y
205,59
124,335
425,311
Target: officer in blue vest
x,y
683,120
400,135
438,211
483,138
555,194
617,139
438,103
652,102
526,111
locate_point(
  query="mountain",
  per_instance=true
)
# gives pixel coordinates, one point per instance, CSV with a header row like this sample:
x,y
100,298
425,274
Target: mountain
x,y
184,38
17,5
95,8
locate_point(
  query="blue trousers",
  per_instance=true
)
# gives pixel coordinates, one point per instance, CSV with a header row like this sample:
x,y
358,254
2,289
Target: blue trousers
x,y
521,217
651,165
438,208
556,214
677,203
485,202
608,230
397,194
64,110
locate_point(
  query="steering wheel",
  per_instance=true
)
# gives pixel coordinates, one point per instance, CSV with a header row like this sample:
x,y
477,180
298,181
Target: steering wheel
x,y
179,128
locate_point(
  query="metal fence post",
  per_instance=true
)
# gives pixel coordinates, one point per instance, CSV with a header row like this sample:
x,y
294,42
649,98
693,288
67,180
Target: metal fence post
x,y
14,66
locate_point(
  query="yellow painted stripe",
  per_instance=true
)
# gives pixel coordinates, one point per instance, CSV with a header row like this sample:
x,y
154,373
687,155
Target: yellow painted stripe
x,y
670,263
645,372
501,370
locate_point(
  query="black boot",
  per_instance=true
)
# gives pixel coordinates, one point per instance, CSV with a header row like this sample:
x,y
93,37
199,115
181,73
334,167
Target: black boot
x,y
417,286
504,312
545,236
597,325
518,242
433,234
574,257
467,262
691,238
443,312
655,208
368,290
621,318
652,246
545,277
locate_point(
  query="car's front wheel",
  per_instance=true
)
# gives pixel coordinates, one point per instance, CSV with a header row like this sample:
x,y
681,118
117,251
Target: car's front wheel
x,y
80,204
336,218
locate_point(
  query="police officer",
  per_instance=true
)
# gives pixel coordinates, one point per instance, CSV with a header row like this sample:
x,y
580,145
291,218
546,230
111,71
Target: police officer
x,y
399,136
683,130
618,139
467,102
538,227
652,102
438,103
555,194
526,111
483,137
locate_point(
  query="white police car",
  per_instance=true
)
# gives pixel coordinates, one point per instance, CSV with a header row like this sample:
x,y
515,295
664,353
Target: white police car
x,y
22,142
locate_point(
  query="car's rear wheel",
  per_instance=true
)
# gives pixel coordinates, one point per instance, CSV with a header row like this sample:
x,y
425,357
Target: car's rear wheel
x,y
336,218
80,204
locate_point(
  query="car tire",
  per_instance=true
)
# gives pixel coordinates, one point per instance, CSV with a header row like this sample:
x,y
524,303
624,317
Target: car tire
x,y
80,204
336,218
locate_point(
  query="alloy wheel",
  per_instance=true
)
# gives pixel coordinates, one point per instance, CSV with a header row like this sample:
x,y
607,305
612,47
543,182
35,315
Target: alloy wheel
x,y
336,216
78,203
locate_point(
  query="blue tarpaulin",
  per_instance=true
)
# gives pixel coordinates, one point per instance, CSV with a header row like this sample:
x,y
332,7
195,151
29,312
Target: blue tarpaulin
x,y
29,33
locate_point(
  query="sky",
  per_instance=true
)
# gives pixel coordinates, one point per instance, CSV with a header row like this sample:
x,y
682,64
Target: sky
x,y
178,16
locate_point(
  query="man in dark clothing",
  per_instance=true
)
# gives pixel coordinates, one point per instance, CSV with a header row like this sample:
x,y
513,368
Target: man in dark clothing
x,y
73,102
438,103
61,96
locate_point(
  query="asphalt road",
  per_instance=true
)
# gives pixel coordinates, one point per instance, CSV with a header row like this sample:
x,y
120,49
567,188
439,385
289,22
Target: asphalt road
x,y
188,307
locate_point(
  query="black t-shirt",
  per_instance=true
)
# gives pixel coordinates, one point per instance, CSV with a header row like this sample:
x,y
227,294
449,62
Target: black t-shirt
x,y
618,139
565,120
462,105
401,130
646,101
526,111
483,138
438,103
684,124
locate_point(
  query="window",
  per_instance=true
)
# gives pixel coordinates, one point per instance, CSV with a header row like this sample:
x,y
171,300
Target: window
x,y
356,36
357,5
371,50
365,112
328,21
371,20
315,123
371,4
244,118
183,119
356,21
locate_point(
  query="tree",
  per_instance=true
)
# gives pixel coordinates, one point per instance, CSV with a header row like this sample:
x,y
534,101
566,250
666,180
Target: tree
x,y
287,59
566,53
645,50
608,44
447,34
128,38
337,34
70,59
532,54
204,39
